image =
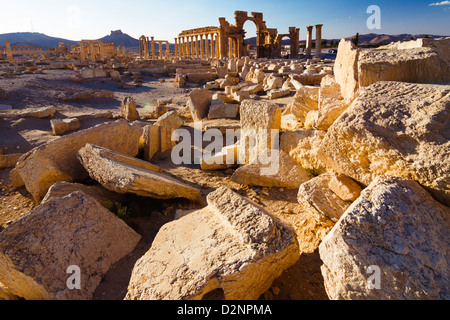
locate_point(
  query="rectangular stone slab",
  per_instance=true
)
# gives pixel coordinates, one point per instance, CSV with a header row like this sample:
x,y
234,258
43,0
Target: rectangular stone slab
x,y
124,174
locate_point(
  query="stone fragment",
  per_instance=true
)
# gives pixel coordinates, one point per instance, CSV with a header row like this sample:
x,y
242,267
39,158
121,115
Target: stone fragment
x,y
163,101
44,112
170,119
278,93
61,126
346,69
57,160
329,110
232,249
124,174
328,195
391,244
218,110
305,100
9,160
303,147
260,125
40,252
198,103
273,170
226,158
100,194
128,109
89,95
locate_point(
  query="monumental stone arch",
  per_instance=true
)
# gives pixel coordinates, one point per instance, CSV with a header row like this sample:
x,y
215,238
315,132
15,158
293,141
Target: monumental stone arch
x,y
227,40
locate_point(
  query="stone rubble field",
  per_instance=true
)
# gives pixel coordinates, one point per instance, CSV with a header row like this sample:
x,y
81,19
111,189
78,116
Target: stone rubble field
x,y
88,178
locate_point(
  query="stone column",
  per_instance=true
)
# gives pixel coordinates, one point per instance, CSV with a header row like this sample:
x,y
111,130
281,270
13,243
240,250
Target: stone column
x,y
230,48
82,52
319,40
202,50
160,50
218,47
92,50
9,52
102,51
207,46
308,40
176,47
153,48
167,50
195,53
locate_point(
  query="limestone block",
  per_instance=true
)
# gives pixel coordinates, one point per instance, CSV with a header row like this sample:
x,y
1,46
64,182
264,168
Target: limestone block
x,y
273,170
163,101
9,160
151,141
253,89
346,69
303,147
289,122
57,160
222,96
218,110
124,174
61,126
37,250
232,248
93,73
260,124
100,194
272,82
89,95
417,65
329,89
240,96
329,110
128,109
226,158
394,231
43,112
397,129
305,100
170,119
199,77
278,93
328,195
198,103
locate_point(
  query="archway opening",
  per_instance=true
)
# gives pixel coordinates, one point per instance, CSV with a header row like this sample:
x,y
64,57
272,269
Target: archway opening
x,y
250,38
285,44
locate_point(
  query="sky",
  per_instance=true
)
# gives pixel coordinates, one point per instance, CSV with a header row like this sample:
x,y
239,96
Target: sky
x,y
165,19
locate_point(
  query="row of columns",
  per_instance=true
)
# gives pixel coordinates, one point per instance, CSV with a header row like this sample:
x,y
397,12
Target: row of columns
x,y
309,30
90,48
19,50
145,48
195,46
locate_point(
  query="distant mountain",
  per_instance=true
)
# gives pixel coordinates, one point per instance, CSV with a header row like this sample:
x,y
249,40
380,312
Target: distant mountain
x,y
373,38
370,38
118,37
38,40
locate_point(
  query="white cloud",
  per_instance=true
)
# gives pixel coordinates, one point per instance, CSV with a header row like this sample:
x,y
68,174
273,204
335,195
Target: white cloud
x,y
443,3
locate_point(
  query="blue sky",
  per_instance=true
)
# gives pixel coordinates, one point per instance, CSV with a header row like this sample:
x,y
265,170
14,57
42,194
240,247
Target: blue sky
x,y
164,19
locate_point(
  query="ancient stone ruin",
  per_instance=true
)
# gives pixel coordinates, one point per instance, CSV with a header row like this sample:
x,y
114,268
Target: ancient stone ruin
x,y
207,169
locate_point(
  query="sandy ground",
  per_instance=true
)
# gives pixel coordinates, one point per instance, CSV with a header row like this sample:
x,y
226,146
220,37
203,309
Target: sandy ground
x,y
303,281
